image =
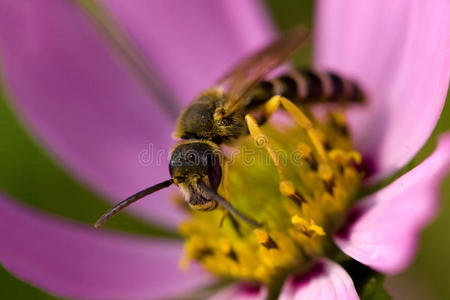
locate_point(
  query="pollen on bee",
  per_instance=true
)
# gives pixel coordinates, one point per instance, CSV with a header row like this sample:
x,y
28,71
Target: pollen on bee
x,y
300,200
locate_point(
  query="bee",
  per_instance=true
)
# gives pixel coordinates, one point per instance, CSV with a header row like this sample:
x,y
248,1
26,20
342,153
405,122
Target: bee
x,y
217,117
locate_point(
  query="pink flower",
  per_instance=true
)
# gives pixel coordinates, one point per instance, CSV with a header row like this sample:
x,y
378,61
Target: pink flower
x,y
80,100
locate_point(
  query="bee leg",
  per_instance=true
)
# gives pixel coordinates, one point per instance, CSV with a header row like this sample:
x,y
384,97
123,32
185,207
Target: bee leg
x,y
225,214
233,220
235,224
226,179
307,125
263,140
226,189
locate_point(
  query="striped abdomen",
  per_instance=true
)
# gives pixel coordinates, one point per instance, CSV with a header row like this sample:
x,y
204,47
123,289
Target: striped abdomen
x,y
306,86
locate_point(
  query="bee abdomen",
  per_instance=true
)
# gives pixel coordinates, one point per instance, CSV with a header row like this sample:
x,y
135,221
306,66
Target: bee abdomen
x,y
306,86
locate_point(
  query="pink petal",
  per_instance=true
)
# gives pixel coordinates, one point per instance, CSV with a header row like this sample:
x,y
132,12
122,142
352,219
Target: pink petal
x,y
84,105
386,225
77,262
398,51
241,292
325,281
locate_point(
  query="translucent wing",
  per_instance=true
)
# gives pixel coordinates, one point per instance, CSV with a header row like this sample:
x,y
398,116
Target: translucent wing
x,y
248,73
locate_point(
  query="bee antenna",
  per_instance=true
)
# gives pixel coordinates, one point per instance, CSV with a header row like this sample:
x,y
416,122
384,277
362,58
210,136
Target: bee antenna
x,y
121,205
224,203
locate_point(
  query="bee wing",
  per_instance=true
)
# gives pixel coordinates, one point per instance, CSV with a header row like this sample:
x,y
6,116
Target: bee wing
x,y
240,81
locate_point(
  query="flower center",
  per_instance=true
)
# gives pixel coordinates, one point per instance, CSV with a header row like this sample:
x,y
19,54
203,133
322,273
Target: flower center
x,y
298,181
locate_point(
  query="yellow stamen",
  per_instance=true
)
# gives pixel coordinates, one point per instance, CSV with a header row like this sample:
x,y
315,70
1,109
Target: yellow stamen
x,y
261,235
316,229
296,220
307,155
309,228
264,239
301,201
325,172
287,188
306,124
271,106
338,155
260,138
356,157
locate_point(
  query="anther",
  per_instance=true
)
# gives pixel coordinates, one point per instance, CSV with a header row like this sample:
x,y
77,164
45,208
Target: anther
x,y
329,185
203,253
308,228
345,159
308,156
264,239
226,248
355,157
233,255
316,228
300,222
326,174
287,189
339,157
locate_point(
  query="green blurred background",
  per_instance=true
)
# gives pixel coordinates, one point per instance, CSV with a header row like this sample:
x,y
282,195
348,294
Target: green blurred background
x,y
28,174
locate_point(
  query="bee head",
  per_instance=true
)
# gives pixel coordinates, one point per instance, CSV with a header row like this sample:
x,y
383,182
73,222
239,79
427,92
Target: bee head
x,y
196,159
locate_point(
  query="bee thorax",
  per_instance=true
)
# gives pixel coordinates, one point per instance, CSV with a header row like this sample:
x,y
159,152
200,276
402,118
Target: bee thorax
x,y
205,119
